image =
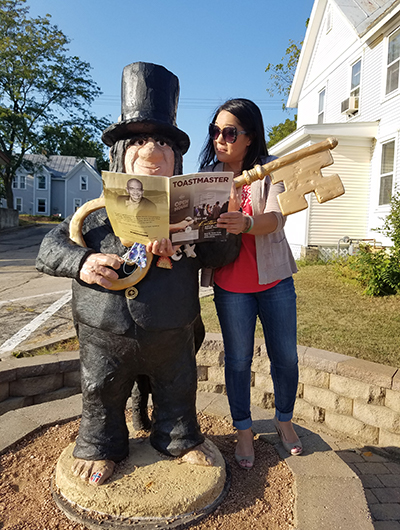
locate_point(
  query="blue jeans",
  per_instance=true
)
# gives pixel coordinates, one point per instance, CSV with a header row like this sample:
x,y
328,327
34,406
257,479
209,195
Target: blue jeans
x,y
237,313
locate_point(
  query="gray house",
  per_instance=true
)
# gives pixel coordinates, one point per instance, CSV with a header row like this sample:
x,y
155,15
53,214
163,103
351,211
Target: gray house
x,y
57,185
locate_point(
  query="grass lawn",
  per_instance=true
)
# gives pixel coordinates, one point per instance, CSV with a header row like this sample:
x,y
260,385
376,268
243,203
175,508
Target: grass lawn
x,y
334,315
28,220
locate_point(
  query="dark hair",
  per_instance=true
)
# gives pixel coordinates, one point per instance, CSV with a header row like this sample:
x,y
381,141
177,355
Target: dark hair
x,y
249,116
117,154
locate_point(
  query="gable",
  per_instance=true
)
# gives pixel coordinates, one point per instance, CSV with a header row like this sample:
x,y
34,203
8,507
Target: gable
x,y
82,168
330,45
351,19
363,14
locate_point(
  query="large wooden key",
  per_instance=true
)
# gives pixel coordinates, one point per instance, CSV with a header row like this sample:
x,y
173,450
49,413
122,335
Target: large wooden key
x,y
301,173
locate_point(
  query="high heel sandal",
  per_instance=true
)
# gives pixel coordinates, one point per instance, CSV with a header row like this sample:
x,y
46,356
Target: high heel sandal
x,y
239,459
245,462
294,448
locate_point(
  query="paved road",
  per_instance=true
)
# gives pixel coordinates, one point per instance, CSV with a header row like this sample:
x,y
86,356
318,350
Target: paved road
x,y
27,297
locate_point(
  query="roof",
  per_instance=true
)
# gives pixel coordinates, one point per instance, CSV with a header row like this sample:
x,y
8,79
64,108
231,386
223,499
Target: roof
x,y
59,165
356,131
363,14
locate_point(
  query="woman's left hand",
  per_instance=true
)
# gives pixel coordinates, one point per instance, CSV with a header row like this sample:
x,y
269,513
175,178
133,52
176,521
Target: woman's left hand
x,y
234,222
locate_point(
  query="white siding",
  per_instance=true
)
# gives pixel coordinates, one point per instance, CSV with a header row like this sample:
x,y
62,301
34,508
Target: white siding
x,y
345,215
328,69
296,229
371,82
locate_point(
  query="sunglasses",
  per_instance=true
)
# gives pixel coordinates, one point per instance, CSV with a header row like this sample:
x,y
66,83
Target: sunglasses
x,y
229,134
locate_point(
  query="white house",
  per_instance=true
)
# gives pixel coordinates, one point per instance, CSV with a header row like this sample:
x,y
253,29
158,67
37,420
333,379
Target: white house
x,y
347,85
57,185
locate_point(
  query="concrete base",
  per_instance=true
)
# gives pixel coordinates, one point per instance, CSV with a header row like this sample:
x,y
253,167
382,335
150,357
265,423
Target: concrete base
x,y
147,490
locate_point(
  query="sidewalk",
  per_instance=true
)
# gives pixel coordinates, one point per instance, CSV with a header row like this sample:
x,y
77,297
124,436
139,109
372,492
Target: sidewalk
x,y
337,484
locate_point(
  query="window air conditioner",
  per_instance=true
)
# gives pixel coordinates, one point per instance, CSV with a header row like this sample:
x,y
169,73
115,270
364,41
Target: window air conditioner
x,y
350,105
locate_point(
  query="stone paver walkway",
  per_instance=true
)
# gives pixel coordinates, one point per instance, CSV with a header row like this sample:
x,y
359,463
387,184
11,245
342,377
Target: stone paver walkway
x,y
380,476
379,472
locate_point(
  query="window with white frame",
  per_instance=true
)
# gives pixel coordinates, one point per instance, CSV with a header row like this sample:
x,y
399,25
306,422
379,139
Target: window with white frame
x,y
22,182
15,182
321,105
386,178
355,79
393,62
41,206
77,204
18,204
328,18
41,182
84,183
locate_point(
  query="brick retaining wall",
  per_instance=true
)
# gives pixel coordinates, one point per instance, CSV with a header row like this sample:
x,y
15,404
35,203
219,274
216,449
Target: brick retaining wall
x,y
357,398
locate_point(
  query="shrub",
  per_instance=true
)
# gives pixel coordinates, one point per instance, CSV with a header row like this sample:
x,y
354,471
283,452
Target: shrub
x,y
378,270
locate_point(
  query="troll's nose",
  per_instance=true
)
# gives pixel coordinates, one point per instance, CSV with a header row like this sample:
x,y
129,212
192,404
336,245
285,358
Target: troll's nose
x,y
151,150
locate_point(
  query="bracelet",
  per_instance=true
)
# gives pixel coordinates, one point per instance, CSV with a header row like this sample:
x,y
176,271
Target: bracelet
x,y
249,225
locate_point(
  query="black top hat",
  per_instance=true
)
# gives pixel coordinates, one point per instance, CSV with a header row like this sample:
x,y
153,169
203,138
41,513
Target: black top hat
x,y
149,101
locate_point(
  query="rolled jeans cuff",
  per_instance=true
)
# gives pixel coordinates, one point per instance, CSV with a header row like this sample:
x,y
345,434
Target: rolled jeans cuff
x,y
283,416
242,425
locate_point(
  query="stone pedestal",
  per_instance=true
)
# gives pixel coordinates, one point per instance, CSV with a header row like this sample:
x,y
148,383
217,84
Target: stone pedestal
x,y
147,490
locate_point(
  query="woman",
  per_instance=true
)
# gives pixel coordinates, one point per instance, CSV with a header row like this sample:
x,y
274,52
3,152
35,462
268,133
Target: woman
x,y
259,282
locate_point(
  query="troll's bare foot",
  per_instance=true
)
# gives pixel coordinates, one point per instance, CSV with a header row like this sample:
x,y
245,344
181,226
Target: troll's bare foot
x,y
94,472
201,455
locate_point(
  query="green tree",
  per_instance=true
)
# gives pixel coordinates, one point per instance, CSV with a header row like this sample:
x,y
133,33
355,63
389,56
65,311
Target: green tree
x,y
280,82
276,133
40,85
282,74
73,141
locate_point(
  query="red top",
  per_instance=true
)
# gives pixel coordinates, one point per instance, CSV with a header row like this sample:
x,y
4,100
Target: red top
x,y
241,276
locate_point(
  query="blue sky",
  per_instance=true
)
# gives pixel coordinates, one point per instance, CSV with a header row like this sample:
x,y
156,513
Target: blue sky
x,y
218,49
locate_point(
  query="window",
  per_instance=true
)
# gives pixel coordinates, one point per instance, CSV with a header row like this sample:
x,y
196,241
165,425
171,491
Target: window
x,y
19,182
41,182
84,183
18,204
392,80
387,166
328,19
77,204
355,79
321,106
41,206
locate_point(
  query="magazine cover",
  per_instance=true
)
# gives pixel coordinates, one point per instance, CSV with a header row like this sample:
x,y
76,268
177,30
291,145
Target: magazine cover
x,y
184,208
196,202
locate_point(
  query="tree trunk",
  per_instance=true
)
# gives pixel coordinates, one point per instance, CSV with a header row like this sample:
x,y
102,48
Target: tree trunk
x,y
8,178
